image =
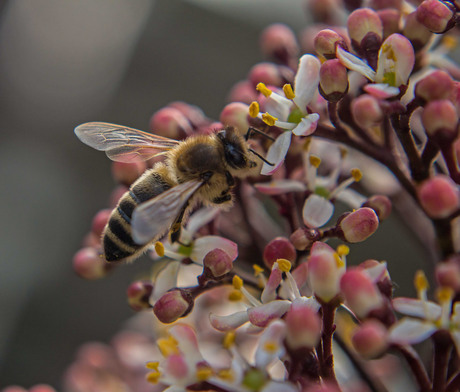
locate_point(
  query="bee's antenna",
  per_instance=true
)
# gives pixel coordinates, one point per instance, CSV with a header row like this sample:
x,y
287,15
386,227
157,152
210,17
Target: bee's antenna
x,y
255,130
261,157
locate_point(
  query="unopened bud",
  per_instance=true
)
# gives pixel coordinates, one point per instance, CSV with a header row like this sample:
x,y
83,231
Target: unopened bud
x,y
448,274
361,295
42,388
267,73
303,326
173,305
170,122
138,294
434,86
386,4
126,173
359,225
416,32
88,264
278,42
390,18
364,25
366,111
381,204
325,271
326,41
242,91
218,262
279,248
435,15
370,339
302,238
440,120
439,196
194,115
235,114
99,221
333,80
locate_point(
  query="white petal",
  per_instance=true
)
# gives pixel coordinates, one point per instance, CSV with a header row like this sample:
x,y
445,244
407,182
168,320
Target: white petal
x,y
201,218
410,331
417,308
381,90
230,322
165,280
274,333
355,63
263,314
278,106
376,272
279,187
306,80
307,125
351,198
317,211
206,244
276,153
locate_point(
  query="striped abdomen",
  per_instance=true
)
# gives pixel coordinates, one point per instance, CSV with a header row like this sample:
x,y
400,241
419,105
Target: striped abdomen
x,y
117,239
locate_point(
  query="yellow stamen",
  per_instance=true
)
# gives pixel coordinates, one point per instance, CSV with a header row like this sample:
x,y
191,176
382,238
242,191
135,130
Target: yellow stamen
x,y
237,282
288,91
235,296
343,250
229,339
343,152
420,281
258,270
254,109
444,294
356,174
269,119
339,261
449,42
226,374
159,248
306,144
262,88
270,347
168,346
153,377
315,161
203,373
284,265
153,365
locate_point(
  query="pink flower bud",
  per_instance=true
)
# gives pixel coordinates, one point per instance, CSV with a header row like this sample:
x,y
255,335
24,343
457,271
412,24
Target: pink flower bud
x,y
194,115
436,85
116,195
416,32
303,326
370,339
361,295
218,262
99,222
325,270
235,114
359,225
173,305
448,274
435,15
386,4
244,92
390,18
267,73
439,196
366,111
302,238
364,22
127,173
324,11
88,264
278,42
170,122
326,41
279,248
381,204
139,294
440,120
333,80
42,388
14,388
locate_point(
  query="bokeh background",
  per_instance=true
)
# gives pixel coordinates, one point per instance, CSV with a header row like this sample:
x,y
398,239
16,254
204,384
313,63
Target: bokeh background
x,y
65,62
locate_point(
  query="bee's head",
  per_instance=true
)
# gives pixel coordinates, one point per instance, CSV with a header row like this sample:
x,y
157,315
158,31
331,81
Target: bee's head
x,y
235,149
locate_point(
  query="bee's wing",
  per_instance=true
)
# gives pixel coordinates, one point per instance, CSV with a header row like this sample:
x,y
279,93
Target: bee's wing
x,y
154,217
121,143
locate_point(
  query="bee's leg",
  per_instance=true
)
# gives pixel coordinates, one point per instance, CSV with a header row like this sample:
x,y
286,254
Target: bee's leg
x,y
176,227
222,199
230,179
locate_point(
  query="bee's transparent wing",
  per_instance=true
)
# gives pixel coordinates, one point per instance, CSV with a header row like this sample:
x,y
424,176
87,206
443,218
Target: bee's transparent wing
x,y
154,217
123,144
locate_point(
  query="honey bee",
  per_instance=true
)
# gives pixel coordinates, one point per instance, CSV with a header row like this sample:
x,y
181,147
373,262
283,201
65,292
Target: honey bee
x,y
200,168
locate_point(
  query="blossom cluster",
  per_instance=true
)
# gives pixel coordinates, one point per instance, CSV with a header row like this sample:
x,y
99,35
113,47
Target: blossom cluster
x,y
360,113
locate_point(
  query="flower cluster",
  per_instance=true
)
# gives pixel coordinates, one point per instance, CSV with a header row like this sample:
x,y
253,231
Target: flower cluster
x,y
351,122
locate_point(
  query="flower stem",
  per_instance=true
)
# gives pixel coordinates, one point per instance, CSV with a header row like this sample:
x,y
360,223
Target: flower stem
x,y
416,366
453,384
327,360
442,349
